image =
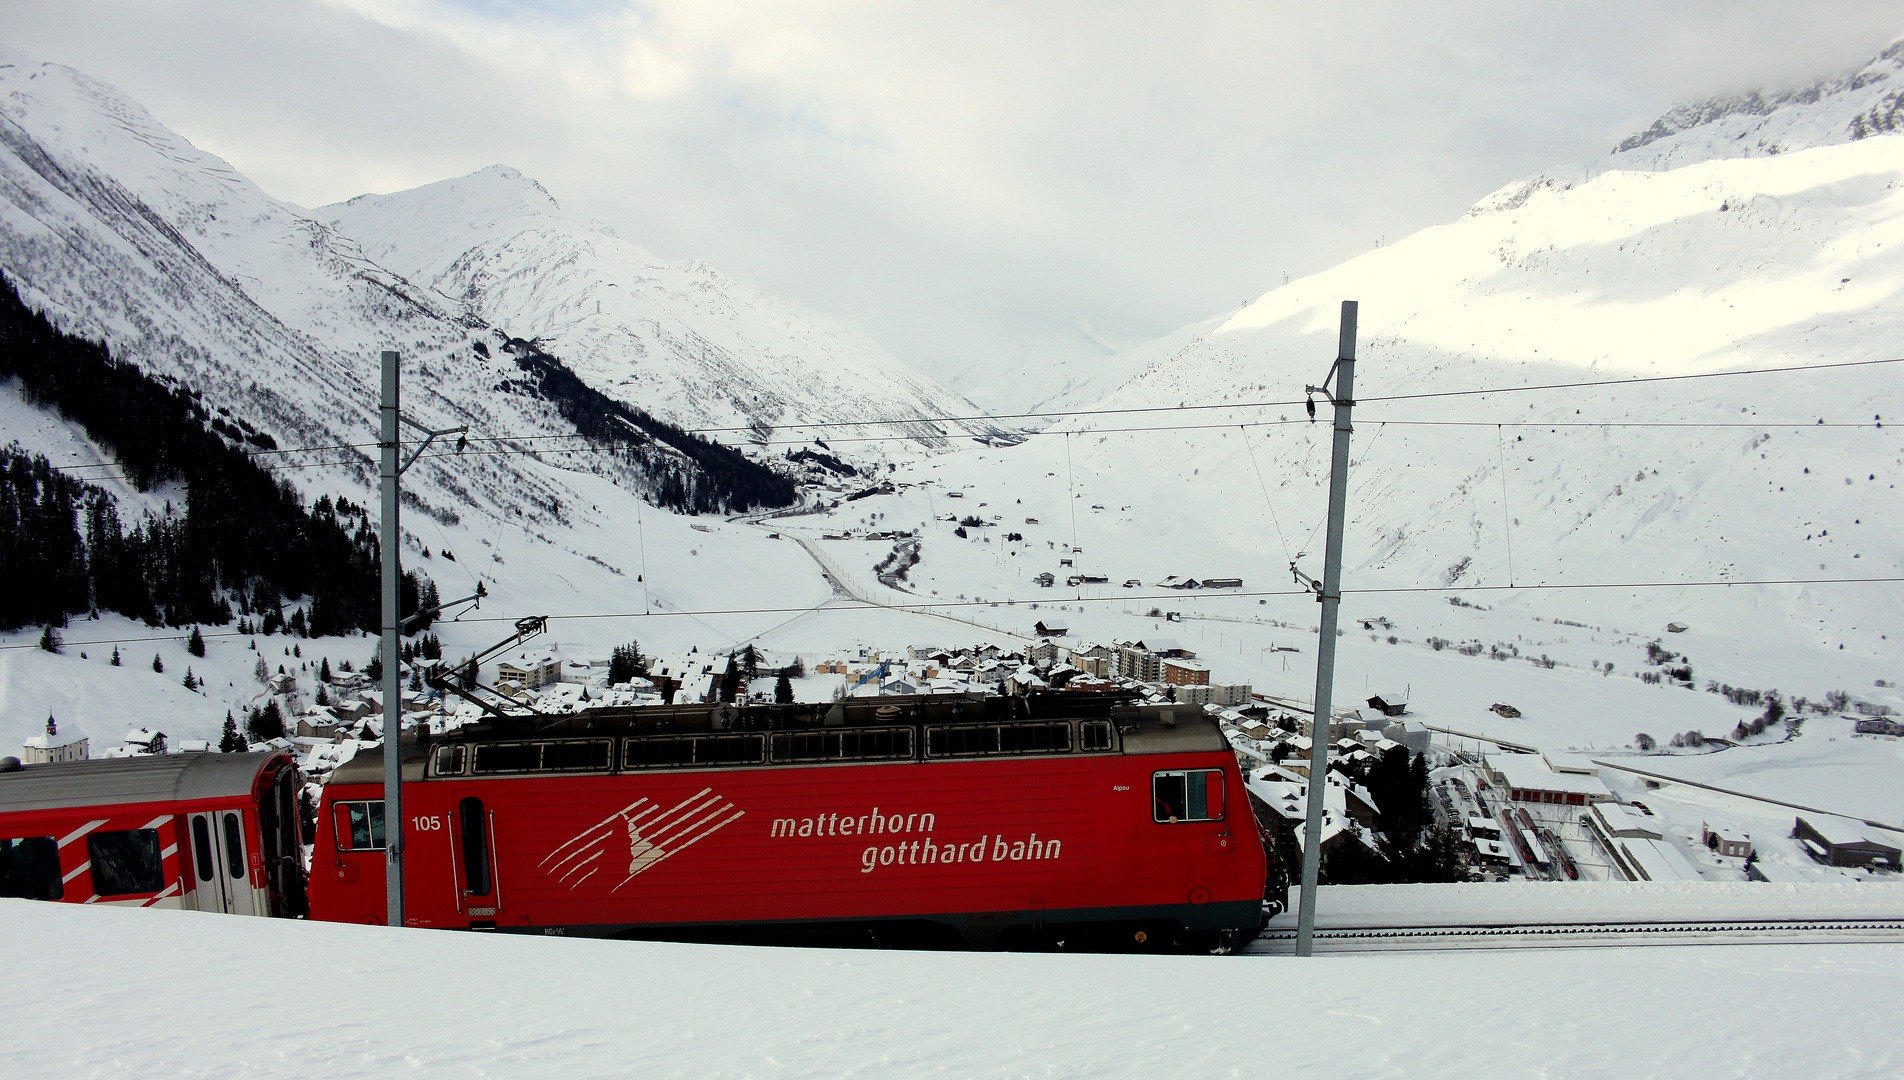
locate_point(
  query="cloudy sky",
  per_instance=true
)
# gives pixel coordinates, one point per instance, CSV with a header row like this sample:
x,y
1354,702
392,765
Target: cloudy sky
x,y
968,182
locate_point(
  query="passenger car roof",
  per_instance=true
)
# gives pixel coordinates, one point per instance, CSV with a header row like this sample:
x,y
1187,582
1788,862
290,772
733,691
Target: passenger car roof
x,y
126,781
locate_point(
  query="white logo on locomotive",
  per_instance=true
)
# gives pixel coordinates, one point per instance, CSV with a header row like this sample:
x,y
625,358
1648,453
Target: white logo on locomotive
x,y
653,836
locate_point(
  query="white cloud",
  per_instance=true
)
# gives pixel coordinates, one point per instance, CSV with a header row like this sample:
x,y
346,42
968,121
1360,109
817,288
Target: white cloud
x,y
957,178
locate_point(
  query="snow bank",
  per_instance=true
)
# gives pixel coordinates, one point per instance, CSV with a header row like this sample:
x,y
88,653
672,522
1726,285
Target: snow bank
x,y
156,994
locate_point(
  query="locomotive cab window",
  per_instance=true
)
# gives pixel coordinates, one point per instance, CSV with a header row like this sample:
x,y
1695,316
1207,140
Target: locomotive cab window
x,y
359,825
125,862
29,868
1187,795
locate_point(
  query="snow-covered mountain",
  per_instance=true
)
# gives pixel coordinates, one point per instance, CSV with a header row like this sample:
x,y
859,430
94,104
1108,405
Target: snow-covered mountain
x,y
683,341
124,232
1672,257
121,231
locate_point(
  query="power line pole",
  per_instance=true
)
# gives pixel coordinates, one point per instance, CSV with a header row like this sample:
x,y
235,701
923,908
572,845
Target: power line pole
x,y
388,440
392,707
1330,596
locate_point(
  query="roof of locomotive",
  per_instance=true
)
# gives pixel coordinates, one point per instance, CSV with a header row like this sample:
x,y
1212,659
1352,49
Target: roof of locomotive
x,y
366,766
142,779
884,710
1145,729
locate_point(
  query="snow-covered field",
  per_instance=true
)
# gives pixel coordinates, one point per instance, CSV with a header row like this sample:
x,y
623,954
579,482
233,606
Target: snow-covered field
x,y
153,994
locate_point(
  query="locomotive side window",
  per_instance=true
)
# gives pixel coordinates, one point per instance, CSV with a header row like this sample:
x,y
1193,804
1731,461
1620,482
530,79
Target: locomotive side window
x,y
875,744
729,750
980,740
859,744
125,862
475,846
360,826
449,760
652,752
1094,735
1187,795
973,741
29,868
507,757
578,756
1034,739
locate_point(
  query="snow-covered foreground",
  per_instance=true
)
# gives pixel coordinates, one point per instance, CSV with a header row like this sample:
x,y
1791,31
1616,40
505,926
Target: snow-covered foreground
x,y
148,994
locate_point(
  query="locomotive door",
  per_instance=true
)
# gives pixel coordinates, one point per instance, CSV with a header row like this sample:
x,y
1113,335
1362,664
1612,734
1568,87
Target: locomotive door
x,y
473,834
219,863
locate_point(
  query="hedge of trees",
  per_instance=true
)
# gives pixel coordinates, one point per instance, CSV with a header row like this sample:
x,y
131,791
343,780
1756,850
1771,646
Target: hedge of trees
x,y
241,535
699,477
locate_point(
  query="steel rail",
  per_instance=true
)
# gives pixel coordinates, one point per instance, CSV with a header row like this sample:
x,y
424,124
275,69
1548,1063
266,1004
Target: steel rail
x,y
1280,941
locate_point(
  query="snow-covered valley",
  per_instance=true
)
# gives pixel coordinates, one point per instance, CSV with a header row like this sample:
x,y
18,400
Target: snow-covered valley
x,y
1666,259
1624,468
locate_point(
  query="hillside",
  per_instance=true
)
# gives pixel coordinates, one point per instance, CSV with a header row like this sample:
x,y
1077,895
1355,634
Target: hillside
x,y
1724,264
1719,264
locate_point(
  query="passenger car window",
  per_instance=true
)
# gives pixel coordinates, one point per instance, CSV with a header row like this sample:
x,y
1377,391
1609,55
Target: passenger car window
x,y
202,848
1187,795
29,868
125,861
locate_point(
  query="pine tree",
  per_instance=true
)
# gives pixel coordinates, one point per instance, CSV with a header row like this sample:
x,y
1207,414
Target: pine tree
x,y
196,643
267,723
324,670
231,742
190,681
730,680
115,656
50,639
374,669
323,695
627,663
783,690
158,665
261,671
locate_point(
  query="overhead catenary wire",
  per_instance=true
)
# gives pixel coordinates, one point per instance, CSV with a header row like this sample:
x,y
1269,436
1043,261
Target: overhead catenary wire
x,y
1268,503
938,604
1507,526
1179,407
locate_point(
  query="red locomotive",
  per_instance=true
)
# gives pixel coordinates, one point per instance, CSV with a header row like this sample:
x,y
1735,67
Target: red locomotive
x,y
1061,819
205,832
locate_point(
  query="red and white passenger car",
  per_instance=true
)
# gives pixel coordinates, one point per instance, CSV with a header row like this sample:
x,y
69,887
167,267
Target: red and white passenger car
x,y
1062,819
202,831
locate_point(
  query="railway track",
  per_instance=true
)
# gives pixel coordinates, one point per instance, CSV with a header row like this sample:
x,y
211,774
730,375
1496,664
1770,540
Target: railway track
x,y
1282,942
